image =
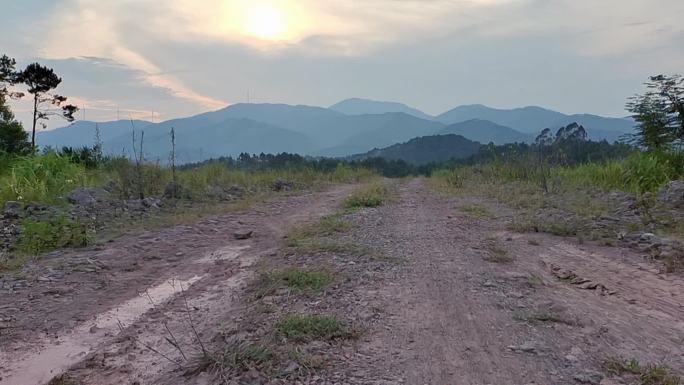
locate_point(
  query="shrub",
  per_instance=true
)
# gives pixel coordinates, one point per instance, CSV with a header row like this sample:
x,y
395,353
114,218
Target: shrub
x,y
41,236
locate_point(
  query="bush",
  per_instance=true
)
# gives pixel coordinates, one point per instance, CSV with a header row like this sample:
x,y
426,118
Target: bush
x,y
41,236
371,195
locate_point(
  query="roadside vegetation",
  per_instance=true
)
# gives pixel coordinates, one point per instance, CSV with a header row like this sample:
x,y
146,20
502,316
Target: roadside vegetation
x,y
564,184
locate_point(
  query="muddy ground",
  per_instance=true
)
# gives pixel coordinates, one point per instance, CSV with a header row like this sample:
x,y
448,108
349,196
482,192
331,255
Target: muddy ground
x,y
435,295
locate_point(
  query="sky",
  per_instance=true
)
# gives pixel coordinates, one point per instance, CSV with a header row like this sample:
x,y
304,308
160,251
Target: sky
x,y
160,60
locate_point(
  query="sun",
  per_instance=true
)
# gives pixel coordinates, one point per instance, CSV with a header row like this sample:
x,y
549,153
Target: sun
x,y
265,22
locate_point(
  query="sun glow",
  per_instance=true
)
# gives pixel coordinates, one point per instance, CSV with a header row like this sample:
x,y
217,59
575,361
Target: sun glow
x,y
265,22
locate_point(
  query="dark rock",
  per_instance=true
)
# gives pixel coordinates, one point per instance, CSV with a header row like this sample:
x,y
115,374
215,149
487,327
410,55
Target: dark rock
x,y
672,194
84,196
152,203
13,209
282,185
593,378
243,234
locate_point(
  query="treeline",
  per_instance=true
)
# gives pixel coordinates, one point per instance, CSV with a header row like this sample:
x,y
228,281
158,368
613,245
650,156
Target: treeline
x,y
565,152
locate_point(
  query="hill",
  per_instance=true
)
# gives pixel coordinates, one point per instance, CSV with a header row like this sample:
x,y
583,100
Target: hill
x,y
358,106
484,131
82,133
534,119
426,149
229,137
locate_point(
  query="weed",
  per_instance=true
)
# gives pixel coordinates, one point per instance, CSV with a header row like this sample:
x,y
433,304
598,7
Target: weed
x,y
295,278
476,211
371,195
40,236
236,356
309,327
651,374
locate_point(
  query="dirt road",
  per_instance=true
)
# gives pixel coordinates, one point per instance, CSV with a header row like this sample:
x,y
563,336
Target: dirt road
x,y
455,299
76,305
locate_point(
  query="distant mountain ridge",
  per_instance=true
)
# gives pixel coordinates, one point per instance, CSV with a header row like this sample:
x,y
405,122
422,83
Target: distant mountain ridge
x,y
484,131
359,106
319,131
533,119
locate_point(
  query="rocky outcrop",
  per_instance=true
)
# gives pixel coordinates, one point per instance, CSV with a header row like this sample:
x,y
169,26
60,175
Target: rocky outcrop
x,y
672,194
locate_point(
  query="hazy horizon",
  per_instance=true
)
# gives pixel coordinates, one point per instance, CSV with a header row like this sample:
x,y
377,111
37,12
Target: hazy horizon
x,y
190,57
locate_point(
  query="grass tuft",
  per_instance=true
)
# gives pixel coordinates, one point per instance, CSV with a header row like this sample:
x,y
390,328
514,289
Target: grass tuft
x,y
302,327
294,278
651,374
371,195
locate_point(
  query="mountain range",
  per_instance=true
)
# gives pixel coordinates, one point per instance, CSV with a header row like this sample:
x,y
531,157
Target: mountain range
x,y
350,127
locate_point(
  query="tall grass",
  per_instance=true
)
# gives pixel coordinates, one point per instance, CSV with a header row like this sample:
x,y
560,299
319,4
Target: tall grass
x,y
41,178
639,173
47,178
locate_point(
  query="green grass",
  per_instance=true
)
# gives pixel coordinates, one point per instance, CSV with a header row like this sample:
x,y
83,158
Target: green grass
x,y
639,173
294,278
41,236
236,357
651,374
47,178
302,327
41,179
371,195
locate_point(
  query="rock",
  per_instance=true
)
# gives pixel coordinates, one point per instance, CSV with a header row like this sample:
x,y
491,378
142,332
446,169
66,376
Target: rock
x,y
152,203
672,194
282,185
593,378
527,347
173,190
13,209
243,234
84,196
